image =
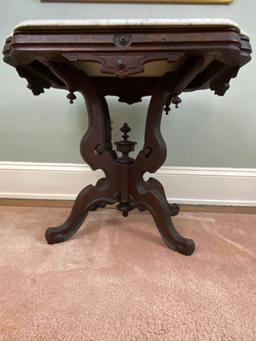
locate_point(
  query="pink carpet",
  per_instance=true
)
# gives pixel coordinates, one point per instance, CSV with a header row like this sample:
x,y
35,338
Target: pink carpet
x,y
115,280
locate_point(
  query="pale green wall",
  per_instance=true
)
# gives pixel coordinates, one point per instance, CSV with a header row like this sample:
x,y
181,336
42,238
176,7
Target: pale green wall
x,y
206,131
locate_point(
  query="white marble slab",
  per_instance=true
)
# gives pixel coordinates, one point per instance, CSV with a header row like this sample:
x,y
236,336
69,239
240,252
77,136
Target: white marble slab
x,y
126,22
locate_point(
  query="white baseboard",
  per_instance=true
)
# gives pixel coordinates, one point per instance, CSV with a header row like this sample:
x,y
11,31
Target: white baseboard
x,y
187,185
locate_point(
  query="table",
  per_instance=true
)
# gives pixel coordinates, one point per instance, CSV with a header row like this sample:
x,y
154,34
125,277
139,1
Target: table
x,y
128,59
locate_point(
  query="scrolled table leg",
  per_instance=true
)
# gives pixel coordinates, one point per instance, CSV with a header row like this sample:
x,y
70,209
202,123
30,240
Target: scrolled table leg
x,y
90,198
150,194
96,150
157,204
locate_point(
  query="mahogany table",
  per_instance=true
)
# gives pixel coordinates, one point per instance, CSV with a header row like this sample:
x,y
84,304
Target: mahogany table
x,y
128,59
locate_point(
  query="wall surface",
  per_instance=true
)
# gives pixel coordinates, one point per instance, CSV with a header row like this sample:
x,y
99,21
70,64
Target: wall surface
x,y
207,131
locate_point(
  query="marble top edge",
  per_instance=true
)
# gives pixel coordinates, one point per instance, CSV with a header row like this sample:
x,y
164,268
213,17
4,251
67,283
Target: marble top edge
x,y
126,22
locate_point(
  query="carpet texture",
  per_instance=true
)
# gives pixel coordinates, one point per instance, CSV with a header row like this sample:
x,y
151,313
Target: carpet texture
x,y
115,280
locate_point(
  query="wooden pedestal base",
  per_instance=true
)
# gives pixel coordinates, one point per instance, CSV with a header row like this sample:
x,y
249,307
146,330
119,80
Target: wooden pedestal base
x,y
123,182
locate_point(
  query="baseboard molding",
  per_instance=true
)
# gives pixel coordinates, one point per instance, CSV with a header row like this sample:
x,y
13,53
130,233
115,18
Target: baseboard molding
x,y
184,185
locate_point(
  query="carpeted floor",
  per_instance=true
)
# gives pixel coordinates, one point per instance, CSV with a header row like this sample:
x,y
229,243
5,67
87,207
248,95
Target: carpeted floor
x,y
115,280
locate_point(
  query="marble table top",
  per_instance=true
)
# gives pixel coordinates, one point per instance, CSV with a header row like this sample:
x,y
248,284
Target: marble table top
x,y
100,23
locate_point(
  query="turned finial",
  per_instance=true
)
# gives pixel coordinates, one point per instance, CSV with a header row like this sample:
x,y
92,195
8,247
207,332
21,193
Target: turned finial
x,y
125,146
125,129
176,100
71,96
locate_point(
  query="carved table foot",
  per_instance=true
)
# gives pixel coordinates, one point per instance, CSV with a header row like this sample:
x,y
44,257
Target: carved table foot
x,y
89,199
156,203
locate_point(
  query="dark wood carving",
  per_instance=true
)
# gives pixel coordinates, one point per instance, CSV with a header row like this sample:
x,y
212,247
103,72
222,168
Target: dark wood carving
x,y
205,58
